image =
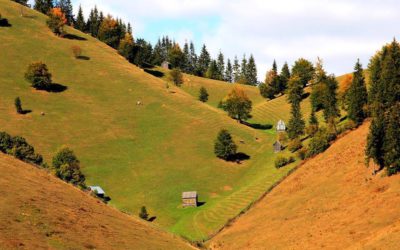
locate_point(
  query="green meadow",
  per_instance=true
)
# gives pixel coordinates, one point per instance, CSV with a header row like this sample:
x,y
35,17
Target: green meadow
x,y
141,155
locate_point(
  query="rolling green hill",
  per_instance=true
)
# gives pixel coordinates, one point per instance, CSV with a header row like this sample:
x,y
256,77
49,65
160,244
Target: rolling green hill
x,y
140,154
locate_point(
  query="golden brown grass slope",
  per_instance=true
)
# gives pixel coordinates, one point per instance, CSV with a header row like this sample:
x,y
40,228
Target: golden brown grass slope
x,y
38,211
332,201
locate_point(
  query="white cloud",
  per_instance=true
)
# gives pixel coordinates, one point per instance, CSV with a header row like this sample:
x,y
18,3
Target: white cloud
x,y
339,31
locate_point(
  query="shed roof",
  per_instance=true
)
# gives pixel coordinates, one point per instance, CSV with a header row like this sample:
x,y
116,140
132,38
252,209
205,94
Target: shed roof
x,y
97,189
189,195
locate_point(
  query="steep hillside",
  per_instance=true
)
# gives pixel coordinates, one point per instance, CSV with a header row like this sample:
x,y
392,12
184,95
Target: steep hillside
x,y
38,211
332,201
139,154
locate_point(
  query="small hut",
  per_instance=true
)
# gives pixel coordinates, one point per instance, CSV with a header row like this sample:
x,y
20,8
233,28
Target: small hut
x,y
165,65
277,147
97,190
189,199
281,126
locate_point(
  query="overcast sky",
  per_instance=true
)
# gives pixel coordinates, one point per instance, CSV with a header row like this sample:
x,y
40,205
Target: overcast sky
x,y
338,31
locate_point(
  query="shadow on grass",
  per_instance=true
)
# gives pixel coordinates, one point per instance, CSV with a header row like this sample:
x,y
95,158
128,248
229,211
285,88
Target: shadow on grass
x,y
74,37
4,22
239,157
155,73
258,125
201,203
25,111
151,219
343,118
29,16
305,95
54,88
86,58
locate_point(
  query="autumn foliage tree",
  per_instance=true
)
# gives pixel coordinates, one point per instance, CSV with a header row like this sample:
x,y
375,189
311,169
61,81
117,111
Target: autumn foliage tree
x,y
56,21
109,31
237,104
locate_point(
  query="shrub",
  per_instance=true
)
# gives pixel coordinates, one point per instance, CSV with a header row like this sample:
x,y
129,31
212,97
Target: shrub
x,y
18,105
67,167
176,77
38,75
23,151
295,145
143,213
311,129
203,94
281,161
319,143
224,146
302,153
56,21
77,51
5,142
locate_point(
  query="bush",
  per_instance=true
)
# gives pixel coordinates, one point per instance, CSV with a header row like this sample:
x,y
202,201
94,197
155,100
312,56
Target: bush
x,y
77,51
19,148
56,21
311,129
281,161
38,75
176,77
319,143
302,153
224,146
5,142
67,167
18,105
282,137
143,213
295,145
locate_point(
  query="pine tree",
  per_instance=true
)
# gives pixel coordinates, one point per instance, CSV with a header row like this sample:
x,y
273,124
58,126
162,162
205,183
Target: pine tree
x,y
213,71
228,72
66,8
224,146
221,66
203,94
318,90
243,71
203,62
236,70
143,213
375,139
186,65
357,96
94,22
391,144
284,78
43,6
251,71
176,56
296,123
331,109
80,20
193,58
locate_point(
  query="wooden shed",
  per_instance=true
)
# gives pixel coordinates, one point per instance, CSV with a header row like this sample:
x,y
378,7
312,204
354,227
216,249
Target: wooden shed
x,y
166,65
281,126
189,199
277,147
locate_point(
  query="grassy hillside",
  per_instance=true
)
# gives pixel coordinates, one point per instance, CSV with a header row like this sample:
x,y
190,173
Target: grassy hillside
x,y
332,201
38,211
140,155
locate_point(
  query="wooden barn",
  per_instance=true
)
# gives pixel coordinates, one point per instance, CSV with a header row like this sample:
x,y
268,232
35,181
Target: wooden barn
x,y
281,126
189,199
166,65
277,147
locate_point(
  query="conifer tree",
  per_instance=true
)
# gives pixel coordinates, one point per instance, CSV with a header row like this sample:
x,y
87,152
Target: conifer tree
x,y
126,47
243,71
251,77
228,72
18,105
203,94
43,6
80,23
176,57
186,65
143,213
221,66
203,61
236,70
213,71
66,8
284,77
193,58
331,109
318,90
357,96
224,146
391,144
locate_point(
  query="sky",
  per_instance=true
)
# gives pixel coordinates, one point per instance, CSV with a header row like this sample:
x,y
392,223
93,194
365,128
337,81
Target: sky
x,y
338,31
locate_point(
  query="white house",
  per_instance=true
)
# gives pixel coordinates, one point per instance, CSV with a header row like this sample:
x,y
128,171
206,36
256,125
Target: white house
x,y
281,126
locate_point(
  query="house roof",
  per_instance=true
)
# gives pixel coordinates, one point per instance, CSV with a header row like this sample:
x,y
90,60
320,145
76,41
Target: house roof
x,y
97,189
188,195
277,143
